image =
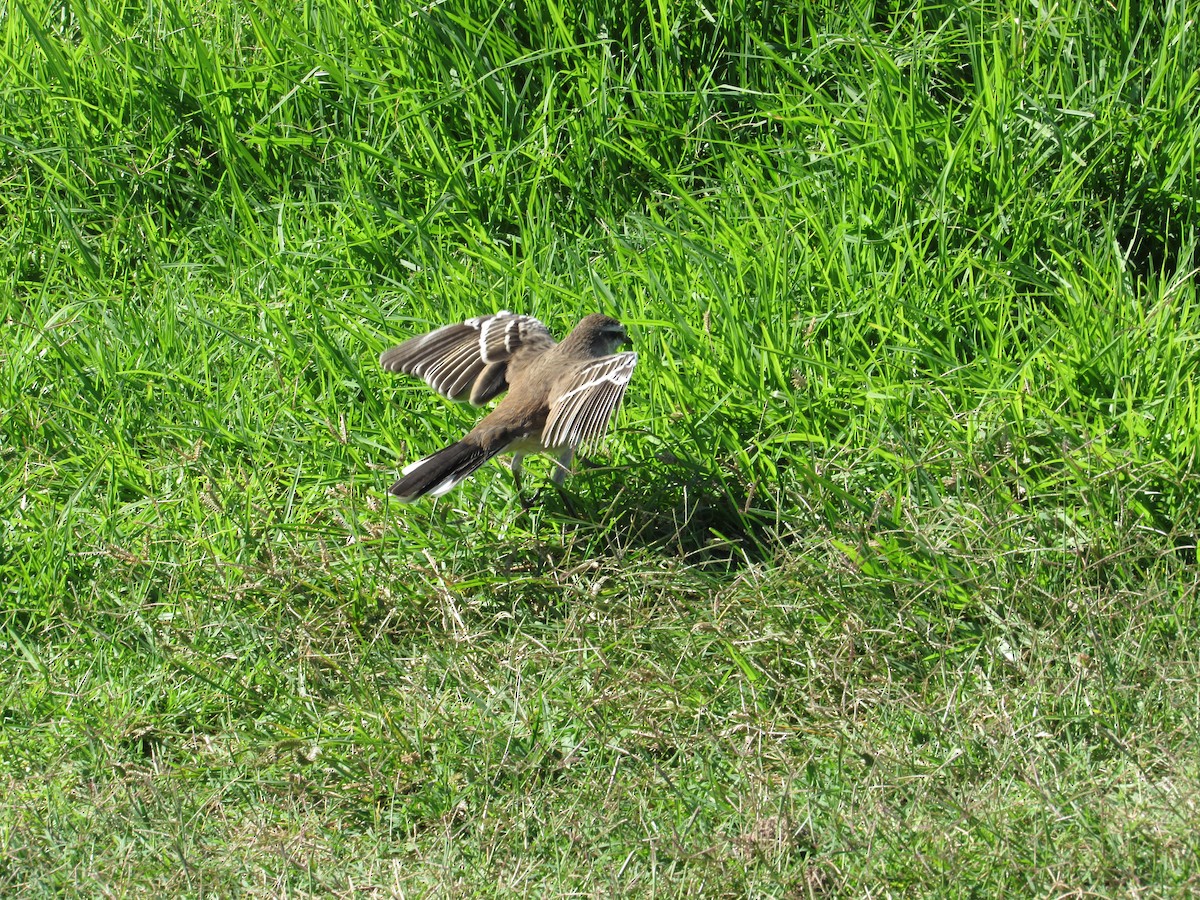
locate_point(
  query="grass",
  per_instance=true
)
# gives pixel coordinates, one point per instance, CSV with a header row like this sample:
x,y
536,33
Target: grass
x,y
885,586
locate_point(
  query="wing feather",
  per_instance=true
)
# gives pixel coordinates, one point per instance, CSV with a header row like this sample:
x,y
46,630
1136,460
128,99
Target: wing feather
x,y
582,411
468,360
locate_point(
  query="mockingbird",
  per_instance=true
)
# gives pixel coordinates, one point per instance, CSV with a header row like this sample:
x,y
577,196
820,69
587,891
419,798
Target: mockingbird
x,y
559,395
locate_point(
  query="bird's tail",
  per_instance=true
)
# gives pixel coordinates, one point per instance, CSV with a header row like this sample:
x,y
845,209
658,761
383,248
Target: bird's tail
x,y
441,472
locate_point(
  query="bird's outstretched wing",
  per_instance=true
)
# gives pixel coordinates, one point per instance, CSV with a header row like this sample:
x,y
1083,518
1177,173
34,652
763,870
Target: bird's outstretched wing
x,y
468,361
581,411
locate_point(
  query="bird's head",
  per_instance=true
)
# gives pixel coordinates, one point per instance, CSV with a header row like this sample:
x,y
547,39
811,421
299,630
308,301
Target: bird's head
x,y
598,335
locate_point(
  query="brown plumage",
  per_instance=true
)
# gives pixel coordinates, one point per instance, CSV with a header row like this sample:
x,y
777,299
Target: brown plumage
x,y
559,395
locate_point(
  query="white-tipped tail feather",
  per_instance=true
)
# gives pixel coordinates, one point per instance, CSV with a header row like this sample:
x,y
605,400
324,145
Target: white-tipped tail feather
x,y
444,486
440,473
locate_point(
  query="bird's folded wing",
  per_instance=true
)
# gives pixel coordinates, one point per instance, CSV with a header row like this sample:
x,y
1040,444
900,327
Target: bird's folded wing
x,y
581,412
468,360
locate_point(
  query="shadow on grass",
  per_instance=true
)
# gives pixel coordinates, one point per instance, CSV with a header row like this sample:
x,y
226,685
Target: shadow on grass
x,y
668,507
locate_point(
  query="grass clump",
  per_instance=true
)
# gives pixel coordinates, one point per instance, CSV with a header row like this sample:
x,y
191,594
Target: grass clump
x,y
886,583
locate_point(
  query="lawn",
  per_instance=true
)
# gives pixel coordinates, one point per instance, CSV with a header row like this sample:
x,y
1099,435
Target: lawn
x,y
883,584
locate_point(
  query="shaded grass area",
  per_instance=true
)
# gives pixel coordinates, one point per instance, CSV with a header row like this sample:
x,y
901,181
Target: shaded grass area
x,y
885,584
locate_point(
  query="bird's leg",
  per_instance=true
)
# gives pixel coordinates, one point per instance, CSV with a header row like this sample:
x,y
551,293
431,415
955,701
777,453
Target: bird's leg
x,y
562,467
517,459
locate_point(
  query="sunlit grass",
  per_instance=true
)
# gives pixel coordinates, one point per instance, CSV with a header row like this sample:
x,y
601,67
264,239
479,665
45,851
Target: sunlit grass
x,y
884,583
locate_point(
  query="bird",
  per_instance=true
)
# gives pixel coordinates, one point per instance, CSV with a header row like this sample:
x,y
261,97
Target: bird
x,y
560,395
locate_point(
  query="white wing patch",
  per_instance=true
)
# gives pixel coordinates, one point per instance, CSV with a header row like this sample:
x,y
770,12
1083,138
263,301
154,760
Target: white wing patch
x,y
460,361
485,326
581,413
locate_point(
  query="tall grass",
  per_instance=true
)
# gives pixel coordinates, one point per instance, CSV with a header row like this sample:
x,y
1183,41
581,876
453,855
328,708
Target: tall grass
x,y
885,583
